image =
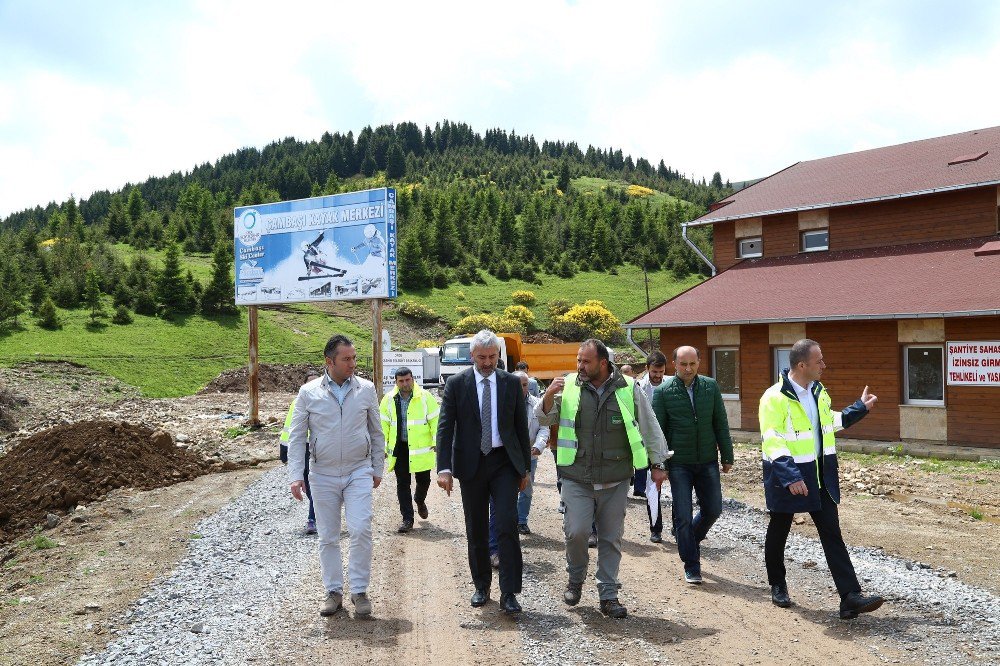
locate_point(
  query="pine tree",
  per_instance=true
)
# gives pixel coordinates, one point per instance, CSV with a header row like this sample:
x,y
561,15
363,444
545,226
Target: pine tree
x,y
48,317
173,294
563,183
219,296
135,206
413,272
368,166
395,167
122,316
92,296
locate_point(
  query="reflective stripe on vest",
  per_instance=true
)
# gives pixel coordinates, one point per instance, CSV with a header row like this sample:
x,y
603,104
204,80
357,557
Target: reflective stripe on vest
x,y
567,445
418,432
786,429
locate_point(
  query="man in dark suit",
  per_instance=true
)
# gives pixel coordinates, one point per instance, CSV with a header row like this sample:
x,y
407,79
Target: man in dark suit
x,y
482,440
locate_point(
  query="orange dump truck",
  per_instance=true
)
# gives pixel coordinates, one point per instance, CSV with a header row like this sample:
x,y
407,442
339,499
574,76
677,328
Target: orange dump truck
x,y
545,361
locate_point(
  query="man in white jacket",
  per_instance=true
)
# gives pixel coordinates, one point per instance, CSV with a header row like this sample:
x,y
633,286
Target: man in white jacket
x,y
339,414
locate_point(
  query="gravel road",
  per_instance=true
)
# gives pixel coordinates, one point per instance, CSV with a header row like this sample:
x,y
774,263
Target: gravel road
x,y
248,591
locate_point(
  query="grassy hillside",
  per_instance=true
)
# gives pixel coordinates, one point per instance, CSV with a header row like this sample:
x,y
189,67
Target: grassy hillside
x,y
624,294
172,358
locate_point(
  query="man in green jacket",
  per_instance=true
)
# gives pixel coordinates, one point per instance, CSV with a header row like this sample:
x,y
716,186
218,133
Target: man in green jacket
x,y
692,416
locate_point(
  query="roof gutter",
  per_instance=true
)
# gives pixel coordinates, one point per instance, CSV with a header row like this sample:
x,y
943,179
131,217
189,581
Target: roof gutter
x,y
792,320
888,197
697,250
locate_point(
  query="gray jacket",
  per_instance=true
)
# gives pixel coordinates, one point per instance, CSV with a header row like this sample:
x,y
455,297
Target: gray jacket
x,y
342,439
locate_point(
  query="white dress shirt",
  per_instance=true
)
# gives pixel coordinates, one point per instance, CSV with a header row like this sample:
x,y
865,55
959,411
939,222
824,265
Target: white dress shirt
x,y
492,380
809,403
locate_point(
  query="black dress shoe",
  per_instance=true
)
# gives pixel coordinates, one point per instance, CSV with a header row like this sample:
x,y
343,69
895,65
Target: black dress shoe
x,y
480,597
422,510
855,603
612,608
779,596
508,604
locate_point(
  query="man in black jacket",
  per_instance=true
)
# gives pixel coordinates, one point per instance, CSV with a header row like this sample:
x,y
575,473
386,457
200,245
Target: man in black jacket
x,y
482,440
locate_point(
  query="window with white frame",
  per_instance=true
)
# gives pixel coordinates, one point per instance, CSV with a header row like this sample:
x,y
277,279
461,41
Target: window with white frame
x,y
781,360
816,240
923,375
726,370
750,247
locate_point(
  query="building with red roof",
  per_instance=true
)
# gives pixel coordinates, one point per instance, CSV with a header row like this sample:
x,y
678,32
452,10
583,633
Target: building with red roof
x,y
889,258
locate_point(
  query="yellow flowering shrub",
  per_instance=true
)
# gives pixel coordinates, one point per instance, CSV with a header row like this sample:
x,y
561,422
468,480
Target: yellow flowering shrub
x,y
523,297
639,191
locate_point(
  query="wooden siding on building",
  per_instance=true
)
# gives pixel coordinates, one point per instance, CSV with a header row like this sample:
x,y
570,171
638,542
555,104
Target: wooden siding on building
x,y
857,354
695,336
755,371
724,245
933,217
973,411
781,235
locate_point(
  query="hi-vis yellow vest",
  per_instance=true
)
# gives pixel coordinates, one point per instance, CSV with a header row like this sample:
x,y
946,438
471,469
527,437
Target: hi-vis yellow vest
x,y
287,430
787,431
421,427
567,445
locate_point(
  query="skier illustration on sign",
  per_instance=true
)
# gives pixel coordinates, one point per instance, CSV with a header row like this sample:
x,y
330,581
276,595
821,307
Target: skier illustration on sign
x,y
315,261
373,241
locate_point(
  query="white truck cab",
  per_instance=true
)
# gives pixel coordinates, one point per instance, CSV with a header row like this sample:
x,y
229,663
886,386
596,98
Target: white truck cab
x,y
456,355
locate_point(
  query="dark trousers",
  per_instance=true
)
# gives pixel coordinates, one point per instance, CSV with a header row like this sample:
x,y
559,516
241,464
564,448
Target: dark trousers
x,y
639,481
690,531
827,522
283,456
402,470
496,480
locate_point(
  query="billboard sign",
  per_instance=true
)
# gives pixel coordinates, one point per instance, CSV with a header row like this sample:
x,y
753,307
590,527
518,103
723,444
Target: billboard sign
x,y
974,363
392,360
340,247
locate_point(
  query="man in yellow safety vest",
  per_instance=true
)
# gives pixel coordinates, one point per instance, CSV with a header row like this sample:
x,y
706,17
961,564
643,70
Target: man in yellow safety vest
x,y
800,472
283,456
607,430
410,448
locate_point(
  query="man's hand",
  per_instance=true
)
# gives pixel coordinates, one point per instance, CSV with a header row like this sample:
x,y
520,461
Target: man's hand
x,y
445,481
535,452
525,480
726,467
658,476
868,398
798,488
298,489
555,386
376,480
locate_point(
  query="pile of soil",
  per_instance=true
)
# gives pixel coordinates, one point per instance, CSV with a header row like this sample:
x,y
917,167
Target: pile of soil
x,y
273,378
56,469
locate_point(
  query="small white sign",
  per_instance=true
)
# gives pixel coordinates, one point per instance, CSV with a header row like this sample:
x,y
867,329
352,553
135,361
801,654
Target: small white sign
x,y
391,361
972,363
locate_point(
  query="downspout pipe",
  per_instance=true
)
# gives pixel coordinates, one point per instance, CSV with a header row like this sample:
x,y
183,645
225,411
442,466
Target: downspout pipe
x,y
697,250
628,336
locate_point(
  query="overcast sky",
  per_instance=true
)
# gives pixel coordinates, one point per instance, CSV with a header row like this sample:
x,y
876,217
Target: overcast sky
x,y
96,94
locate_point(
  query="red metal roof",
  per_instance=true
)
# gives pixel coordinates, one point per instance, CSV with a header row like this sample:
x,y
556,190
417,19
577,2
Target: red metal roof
x,y
908,169
921,280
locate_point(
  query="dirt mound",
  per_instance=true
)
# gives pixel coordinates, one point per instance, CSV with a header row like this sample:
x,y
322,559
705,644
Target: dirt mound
x,y
274,378
56,469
